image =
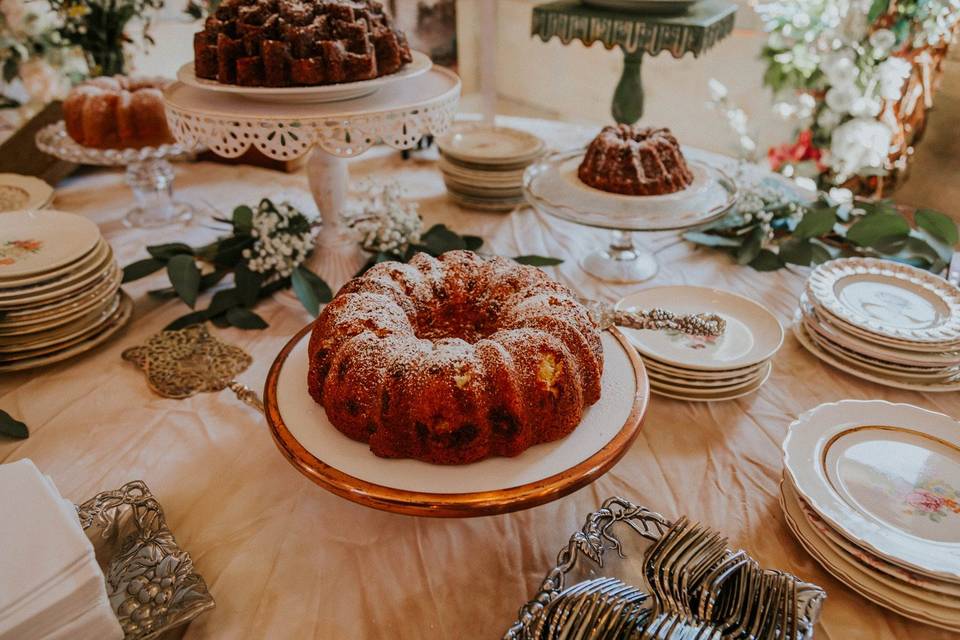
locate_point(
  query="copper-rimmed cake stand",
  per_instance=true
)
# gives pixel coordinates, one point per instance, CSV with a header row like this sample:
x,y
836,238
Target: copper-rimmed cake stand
x,y
398,114
540,474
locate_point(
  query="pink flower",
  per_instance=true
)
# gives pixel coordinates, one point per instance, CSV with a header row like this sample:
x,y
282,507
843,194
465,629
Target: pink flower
x,y
925,500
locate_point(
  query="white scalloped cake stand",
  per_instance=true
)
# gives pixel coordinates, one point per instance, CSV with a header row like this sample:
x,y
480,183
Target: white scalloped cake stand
x,y
398,115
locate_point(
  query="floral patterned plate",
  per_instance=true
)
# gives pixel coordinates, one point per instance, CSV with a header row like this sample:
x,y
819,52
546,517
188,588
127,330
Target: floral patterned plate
x,y
886,476
899,597
753,334
34,242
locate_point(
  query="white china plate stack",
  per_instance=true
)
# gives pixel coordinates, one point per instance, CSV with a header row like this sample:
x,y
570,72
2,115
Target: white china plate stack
x,y
872,491
59,288
483,166
19,192
701,369
883,321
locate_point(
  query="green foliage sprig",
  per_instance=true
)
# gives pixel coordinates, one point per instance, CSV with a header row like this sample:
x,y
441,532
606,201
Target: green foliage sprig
x,y
195,270
233,254
439,239
11,427
772,231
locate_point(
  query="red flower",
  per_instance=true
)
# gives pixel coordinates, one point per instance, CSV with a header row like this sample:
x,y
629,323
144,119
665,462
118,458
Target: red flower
x,y
799,151
925,500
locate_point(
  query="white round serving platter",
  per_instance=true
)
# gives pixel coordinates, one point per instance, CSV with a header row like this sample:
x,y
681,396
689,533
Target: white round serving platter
x,y
926,587
483,145
488,175
24,288
74,346
868,584
753,334
552,184
694,395
888,298
807,342
868,468
32,242
694,374
837,334
665,378
543,472
306,95
18,192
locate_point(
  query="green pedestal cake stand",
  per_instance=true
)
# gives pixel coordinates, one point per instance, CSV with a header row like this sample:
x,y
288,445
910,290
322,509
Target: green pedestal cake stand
x,y
698,28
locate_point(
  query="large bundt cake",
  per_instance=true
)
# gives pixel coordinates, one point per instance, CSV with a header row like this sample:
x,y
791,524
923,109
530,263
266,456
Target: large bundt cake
x,y
455,359
280,43
117,113
635,161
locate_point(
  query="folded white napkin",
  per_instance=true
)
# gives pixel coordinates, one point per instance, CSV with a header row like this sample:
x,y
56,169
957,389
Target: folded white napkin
x,y
49,577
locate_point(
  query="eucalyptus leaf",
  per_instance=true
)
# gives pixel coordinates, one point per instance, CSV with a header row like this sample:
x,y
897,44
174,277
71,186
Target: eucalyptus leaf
x,y
11,427
819,253
816,222
243,219
141,269
750,249
877,9
242,318
185,278
939,225
229,251
208,280
195,317
166,251
305,292
248,284
709,239
220,321
222,300
162,294
877,229
797,251
439,239
324,294
538,261
473,243
767,260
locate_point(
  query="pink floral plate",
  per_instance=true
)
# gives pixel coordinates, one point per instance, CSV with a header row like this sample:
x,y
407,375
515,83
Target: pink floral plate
x,y
886,477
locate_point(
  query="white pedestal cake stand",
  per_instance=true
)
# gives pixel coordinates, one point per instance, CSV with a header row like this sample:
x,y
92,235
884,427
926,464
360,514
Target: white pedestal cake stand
x,y
398,115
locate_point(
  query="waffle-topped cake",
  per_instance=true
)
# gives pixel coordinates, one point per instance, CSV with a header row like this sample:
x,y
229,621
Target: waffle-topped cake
x,y
282,43
635,161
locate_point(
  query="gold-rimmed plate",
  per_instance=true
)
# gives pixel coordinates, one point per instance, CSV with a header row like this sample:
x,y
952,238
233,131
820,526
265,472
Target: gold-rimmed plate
x,y
542,473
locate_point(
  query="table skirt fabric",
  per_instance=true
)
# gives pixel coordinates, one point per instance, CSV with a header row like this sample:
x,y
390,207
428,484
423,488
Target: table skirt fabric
x,y
286,559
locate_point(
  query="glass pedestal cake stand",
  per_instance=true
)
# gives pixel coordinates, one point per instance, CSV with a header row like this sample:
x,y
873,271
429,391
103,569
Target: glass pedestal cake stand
x,y
552,186
398,114
149,173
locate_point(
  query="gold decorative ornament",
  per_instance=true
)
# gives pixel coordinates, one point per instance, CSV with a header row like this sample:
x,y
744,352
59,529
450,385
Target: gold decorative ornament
x,y
179,364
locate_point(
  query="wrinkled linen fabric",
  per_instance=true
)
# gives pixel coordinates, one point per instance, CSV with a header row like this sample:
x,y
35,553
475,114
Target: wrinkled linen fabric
x,y
286,559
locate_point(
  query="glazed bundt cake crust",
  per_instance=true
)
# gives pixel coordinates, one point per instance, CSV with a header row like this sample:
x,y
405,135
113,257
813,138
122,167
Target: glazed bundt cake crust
x,y
281,43
636,161
117,112
455,359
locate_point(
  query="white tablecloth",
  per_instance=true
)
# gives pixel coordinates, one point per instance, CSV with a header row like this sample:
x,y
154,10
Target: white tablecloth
x,y
285,559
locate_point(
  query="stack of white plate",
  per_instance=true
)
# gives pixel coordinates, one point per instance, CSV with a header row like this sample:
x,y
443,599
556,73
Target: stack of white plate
x,y
703,369
59,288
872,491
19,192
883,321
483,165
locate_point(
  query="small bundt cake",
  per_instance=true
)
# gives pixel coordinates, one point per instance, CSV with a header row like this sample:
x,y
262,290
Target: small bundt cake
x,y
117,113
281,43
455,359
635,161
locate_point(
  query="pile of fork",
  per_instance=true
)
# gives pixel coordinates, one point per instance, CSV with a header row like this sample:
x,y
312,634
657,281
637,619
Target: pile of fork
x,y
699,589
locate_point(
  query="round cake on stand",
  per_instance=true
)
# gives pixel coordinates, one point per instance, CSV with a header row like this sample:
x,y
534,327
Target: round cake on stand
x,y
553,186
395,110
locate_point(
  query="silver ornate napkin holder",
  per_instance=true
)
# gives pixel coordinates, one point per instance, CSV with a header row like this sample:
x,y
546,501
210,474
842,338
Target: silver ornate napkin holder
x,y
151,582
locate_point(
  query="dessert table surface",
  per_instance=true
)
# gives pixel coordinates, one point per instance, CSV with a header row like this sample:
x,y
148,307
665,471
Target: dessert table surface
x,y
286,559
